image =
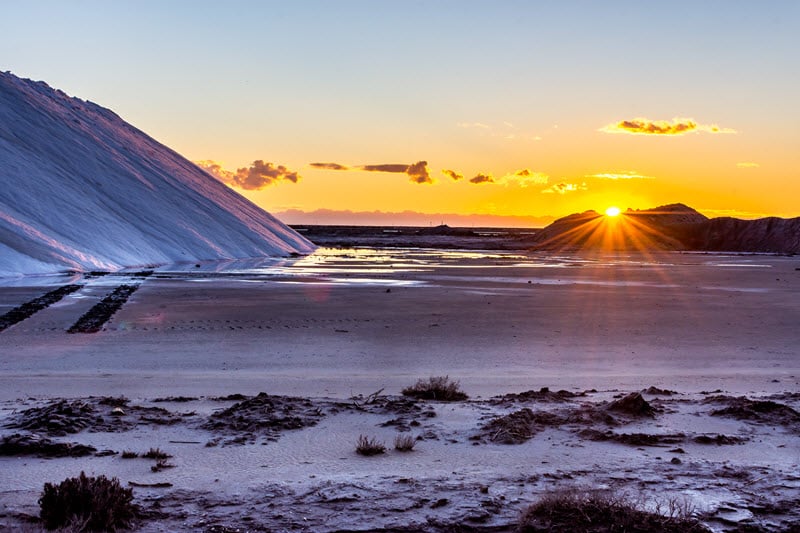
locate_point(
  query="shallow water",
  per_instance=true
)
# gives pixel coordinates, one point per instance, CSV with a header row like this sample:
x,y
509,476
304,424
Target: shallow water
x,y
360,266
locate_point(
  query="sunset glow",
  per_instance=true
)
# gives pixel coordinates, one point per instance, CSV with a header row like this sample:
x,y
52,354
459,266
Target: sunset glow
x,y
612,211
407,118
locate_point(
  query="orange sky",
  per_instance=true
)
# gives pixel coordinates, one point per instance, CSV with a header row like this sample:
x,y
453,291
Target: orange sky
x,y
685,101
564,170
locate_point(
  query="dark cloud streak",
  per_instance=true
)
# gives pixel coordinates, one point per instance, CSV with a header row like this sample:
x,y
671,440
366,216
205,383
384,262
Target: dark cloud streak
x,y
455,176
482,178
329,166
417,172
389,167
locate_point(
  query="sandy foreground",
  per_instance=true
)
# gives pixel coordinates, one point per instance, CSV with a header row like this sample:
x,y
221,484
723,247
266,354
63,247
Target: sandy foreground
x,y
715,336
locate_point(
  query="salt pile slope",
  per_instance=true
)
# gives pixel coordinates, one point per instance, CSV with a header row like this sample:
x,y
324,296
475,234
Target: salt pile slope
x,y
82,189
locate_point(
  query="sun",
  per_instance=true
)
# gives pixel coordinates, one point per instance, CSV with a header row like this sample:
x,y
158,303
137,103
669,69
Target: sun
x,y
612,211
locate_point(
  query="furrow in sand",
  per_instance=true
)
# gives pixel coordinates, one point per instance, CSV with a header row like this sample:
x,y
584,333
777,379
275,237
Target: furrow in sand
x,y
94,319
20,313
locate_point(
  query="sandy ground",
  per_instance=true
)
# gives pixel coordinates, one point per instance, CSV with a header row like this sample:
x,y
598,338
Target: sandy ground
x,y
342,323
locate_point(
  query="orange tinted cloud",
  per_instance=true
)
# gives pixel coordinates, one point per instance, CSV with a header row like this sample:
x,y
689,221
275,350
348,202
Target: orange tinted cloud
x,y
747,164
417,172
455,176
473,125
255,177
329,166
564,188
482,178
678,126
386,167
525,178
623,175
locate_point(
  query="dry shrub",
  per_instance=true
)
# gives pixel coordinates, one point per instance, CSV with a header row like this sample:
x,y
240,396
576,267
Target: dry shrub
x,y
404,443
367,446
436,388
156,453
128,454
160,465
602,512
87,504
513,428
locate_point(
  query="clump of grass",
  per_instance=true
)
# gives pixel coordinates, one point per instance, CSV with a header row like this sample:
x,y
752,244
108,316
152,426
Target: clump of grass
x,y
128,454
160,465
367,446
404,443
87,504
602,512
156,453
440,388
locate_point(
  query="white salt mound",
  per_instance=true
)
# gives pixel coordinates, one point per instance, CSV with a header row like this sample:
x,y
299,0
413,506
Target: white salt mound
x,y
82,189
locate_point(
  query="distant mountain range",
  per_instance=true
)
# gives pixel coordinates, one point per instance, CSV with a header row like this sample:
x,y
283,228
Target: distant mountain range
x,y
82,189
669,227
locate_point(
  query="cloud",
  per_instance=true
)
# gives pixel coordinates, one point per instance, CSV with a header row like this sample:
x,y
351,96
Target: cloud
x,y
417,172
503,130
622,175
525,178
522,178
482,178
564,187
216,170
747,164
255,177
678,126
329,166
473,125
388,167
455,176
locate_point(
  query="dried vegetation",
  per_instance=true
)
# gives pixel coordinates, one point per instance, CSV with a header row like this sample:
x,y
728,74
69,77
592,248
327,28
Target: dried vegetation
x,y
440,388
87,504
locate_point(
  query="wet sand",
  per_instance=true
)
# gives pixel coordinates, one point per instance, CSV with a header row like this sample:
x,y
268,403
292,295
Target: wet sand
x,y
343,323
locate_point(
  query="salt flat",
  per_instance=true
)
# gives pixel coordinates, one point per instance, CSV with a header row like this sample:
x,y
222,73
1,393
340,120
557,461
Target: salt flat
x,y
343,323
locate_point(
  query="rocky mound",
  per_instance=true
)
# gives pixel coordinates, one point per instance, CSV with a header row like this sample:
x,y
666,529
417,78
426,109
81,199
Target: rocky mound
x,y
668,228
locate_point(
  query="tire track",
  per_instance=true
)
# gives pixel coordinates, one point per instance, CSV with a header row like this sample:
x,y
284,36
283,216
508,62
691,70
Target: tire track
x,y
95,318
20,313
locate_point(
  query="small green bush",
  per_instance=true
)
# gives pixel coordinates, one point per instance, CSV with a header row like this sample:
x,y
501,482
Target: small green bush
x,y
87,504
436,388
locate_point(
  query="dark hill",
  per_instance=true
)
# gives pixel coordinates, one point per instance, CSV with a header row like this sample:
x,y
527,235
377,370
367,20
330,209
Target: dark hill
x,y
772,234
669,227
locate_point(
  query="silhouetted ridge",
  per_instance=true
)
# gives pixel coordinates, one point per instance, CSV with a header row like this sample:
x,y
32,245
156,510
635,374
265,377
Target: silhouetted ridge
x,y
772,234
669,227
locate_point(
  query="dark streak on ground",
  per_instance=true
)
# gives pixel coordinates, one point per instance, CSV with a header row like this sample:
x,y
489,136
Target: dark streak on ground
x,y
20,313
94,319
